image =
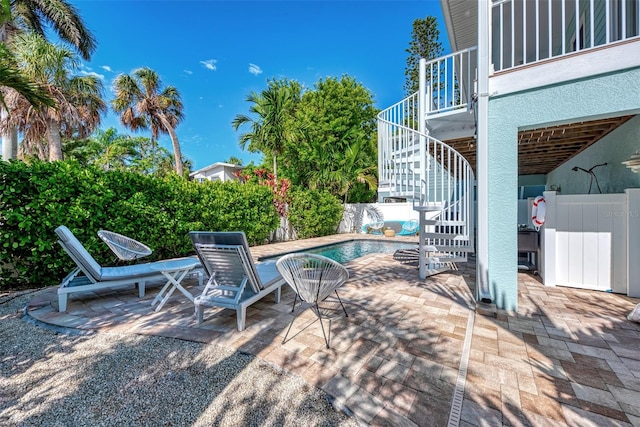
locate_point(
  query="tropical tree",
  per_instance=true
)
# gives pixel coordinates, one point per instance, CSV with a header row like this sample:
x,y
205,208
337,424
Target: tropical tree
x,y
425,43
272,126
12,78
37,16
106,149
10,75
338,125
151,158
234,161
144,104
353,168
78,99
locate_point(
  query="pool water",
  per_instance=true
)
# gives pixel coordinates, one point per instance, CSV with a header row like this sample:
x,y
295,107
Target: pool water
x,y
344,252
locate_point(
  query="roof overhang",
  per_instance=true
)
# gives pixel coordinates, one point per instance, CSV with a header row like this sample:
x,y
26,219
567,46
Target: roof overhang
x,y
461,19
214,166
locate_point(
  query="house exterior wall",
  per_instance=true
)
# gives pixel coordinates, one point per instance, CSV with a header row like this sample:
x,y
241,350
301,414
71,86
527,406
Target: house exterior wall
x,y
219,173
613,149
589,98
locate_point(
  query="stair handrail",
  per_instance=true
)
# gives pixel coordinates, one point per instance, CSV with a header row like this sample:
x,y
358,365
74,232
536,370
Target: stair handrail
x,y
398,153
451,79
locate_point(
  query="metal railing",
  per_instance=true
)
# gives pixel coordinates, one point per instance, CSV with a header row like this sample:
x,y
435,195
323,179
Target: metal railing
x,y
451,79
528,31
428,171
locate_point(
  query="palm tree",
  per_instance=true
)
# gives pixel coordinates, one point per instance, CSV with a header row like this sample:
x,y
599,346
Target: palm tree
x,y
78,101
338,172
273,126
36,16
143,104
106,149
12,78
352,169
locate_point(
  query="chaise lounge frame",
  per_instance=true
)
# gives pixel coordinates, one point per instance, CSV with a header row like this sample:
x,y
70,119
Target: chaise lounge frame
x,y
235,282
97,277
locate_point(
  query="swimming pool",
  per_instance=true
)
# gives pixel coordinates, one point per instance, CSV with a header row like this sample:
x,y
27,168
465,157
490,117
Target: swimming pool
x,y
349,250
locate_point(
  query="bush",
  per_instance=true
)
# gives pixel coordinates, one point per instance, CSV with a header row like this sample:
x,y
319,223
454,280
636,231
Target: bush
x,y
314,213
37,198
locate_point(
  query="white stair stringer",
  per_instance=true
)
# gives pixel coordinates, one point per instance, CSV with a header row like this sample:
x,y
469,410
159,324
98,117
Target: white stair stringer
x,y
441,179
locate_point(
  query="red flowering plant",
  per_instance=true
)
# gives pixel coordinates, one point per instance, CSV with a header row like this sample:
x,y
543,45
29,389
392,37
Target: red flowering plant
x,y
241,177
280,187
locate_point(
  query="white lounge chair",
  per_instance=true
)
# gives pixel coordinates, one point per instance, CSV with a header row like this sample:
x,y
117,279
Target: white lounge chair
x,y
235,282
98,277
313,278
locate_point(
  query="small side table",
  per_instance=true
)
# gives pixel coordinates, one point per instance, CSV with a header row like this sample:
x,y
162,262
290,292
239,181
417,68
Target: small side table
x,y
175,271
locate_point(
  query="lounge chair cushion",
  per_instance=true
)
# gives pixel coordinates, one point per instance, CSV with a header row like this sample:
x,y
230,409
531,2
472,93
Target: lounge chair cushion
x,y
88,264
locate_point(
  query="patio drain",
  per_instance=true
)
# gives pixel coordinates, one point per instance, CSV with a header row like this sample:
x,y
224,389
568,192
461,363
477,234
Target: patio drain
x,y
458,394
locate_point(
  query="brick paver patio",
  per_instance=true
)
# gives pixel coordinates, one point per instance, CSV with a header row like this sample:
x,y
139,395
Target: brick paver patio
x,y
568,357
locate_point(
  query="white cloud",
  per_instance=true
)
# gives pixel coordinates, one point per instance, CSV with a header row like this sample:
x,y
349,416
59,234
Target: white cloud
x,y
254,69
188,72
107,68
91,73
85,70
209,64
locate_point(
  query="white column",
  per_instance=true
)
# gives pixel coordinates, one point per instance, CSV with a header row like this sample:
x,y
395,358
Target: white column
x,y
482,155
633,243
422,128
547,261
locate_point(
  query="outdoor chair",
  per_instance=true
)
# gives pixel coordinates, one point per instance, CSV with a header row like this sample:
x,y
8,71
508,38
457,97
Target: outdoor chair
x,y
125,248
374,227
313,278
97,277
235,282
409,228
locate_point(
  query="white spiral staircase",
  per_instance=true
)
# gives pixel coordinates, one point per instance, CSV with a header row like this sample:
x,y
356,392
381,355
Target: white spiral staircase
x,y
416,166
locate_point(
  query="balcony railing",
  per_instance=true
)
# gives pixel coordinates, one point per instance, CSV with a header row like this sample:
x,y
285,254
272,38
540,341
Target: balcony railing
x,y
450,79
527,31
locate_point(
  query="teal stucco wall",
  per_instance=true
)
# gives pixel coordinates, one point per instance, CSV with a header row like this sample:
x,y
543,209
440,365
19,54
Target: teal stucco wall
x,y
587,99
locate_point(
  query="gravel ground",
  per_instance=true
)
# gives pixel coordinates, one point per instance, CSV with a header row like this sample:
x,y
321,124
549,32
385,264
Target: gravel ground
x,y
103,379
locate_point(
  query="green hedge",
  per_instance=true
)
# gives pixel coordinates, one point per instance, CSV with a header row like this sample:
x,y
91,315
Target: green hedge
x,y
37,198
314,213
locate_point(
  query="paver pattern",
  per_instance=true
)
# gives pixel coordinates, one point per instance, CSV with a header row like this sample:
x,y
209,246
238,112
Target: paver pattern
x,y
568,357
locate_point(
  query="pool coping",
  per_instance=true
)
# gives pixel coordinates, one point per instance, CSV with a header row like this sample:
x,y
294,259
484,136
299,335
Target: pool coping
x,y
369,238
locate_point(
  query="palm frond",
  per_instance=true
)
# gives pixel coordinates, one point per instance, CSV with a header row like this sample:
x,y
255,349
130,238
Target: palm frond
x,y
65,19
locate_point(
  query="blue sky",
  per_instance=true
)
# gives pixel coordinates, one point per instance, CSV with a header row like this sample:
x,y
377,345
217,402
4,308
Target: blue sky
x,y
216,52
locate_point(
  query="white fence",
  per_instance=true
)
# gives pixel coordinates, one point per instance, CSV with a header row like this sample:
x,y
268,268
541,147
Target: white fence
x,y
358,214
586,242
354,217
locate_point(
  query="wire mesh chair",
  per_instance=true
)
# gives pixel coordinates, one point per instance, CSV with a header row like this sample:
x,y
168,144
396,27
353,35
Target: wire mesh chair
x,y
313,278
409,228
125,248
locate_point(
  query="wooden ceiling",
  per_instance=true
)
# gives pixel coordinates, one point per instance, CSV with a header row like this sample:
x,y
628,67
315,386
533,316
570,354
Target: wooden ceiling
x,y
544,149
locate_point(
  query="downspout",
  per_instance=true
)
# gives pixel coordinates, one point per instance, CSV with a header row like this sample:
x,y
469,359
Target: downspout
x,y
483,291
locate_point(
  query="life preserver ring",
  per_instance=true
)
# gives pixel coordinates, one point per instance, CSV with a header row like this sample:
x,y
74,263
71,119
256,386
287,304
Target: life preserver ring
x,y
538,211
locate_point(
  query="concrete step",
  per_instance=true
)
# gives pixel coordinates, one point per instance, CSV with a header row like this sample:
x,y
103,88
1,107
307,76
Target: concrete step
x,y
452,248
429,207
450,236
445,259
